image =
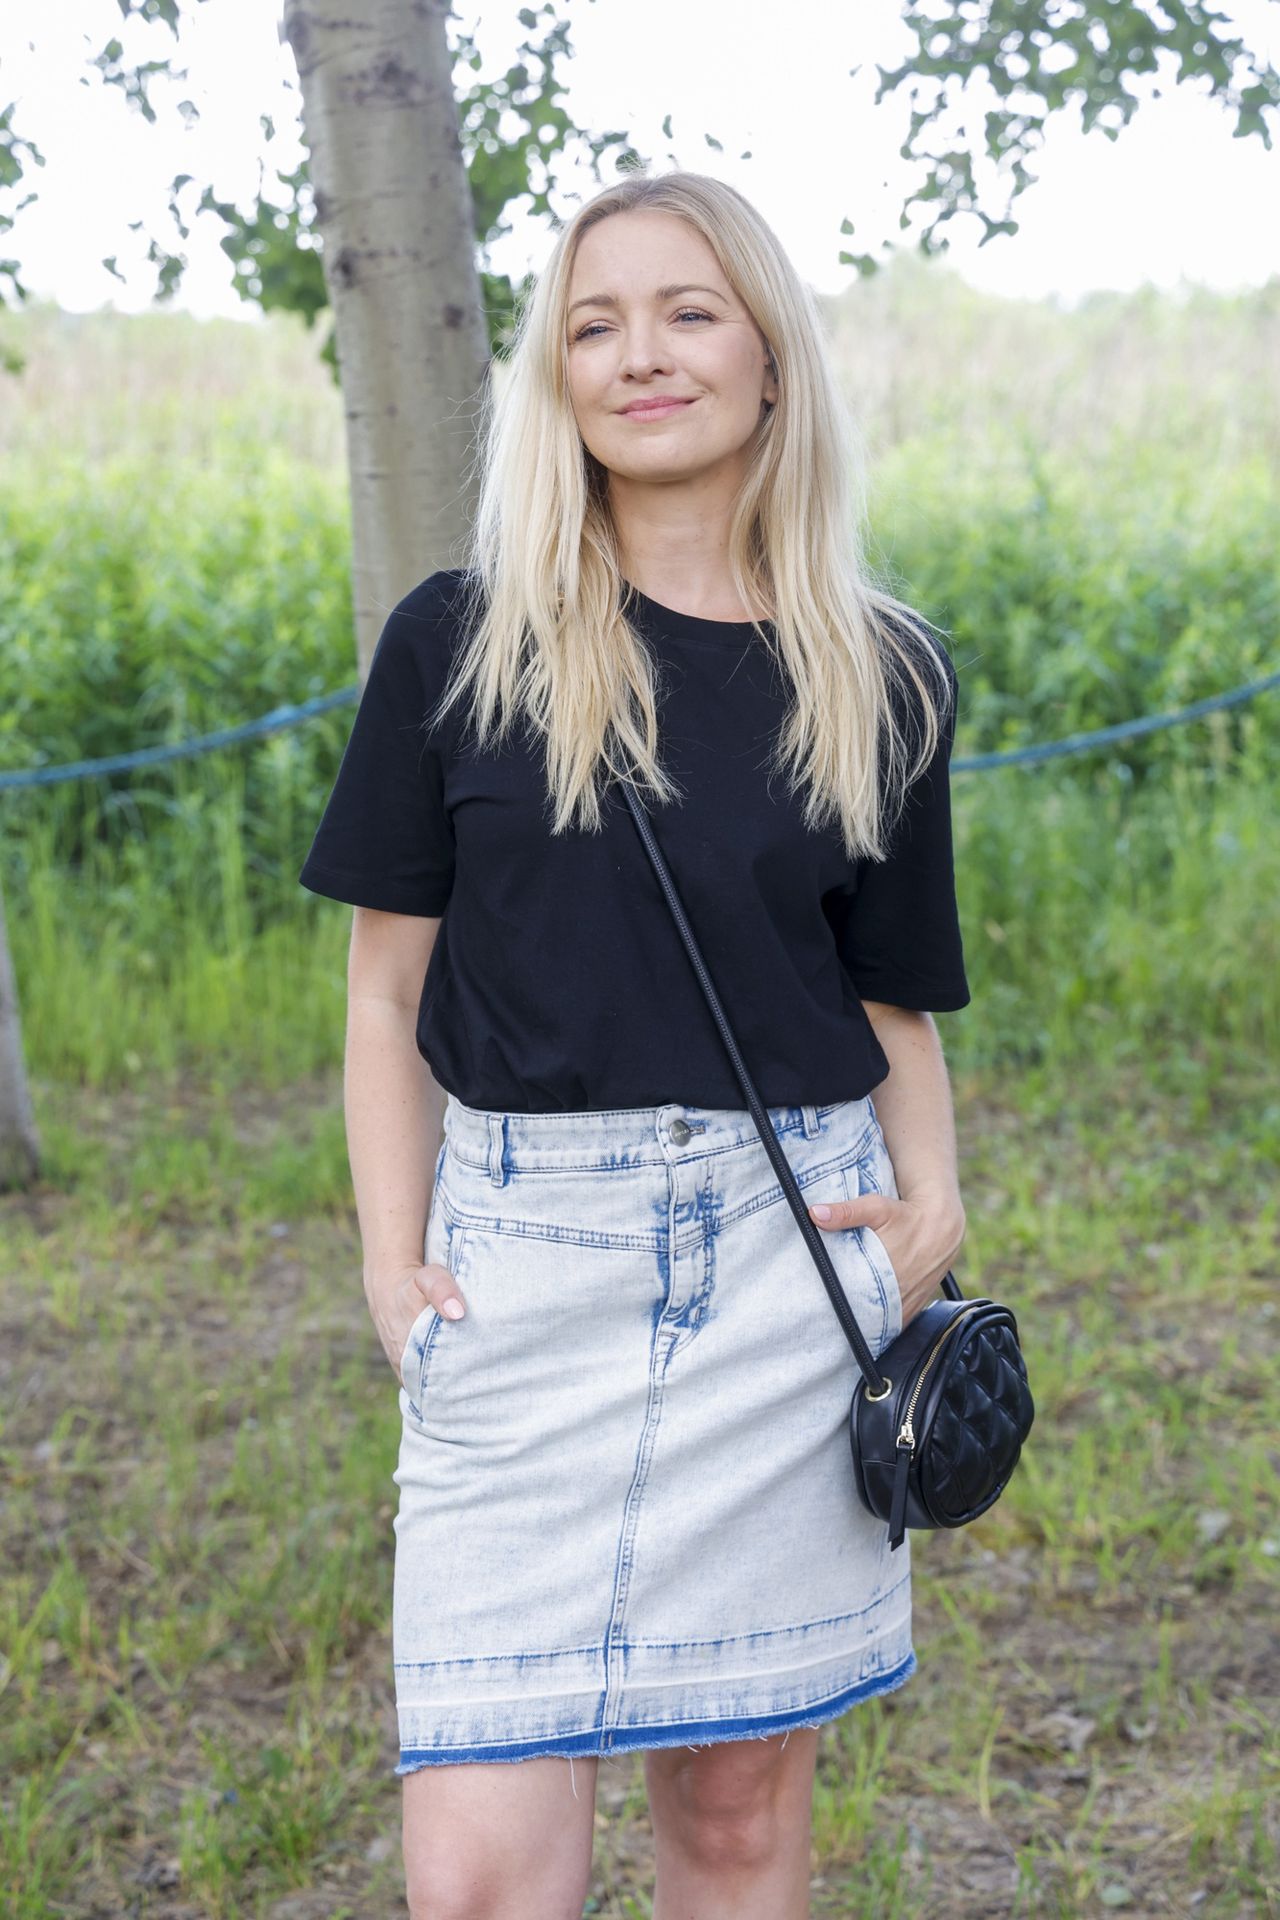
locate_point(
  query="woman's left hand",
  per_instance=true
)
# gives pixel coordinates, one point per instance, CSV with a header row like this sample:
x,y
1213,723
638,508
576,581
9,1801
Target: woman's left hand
x,y
921,1235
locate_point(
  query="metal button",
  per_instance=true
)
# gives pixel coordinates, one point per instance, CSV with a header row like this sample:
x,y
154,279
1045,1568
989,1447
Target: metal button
x,y
681,1131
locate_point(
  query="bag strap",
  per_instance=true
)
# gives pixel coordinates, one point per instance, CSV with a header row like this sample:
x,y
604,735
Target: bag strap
x,y
877,1383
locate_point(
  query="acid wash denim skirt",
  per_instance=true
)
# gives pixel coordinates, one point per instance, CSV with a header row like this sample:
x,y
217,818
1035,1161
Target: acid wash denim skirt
x,y
627,1515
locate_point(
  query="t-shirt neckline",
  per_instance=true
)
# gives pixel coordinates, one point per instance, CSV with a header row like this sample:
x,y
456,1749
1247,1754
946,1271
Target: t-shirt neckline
x,y
686,626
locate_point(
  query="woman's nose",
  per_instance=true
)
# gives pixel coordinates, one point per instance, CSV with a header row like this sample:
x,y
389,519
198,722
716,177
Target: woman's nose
x,y
644,353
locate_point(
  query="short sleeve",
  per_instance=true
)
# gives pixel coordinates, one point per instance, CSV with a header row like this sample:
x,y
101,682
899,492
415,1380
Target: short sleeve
x,y
385,838
896,921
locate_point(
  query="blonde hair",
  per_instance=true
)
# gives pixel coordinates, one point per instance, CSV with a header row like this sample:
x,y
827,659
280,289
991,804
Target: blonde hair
x,y
548,639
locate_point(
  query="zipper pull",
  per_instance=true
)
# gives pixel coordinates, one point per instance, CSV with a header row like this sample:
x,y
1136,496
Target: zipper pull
x,y
898,1503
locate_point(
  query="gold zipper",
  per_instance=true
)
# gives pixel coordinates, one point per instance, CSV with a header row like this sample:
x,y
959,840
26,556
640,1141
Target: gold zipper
x,y
906,1433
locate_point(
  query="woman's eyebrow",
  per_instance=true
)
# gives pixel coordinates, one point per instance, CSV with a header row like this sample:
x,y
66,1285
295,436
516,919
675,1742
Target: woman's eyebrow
x,y
663,293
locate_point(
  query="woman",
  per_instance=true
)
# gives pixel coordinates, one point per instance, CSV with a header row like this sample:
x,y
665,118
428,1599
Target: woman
x,y
627,1517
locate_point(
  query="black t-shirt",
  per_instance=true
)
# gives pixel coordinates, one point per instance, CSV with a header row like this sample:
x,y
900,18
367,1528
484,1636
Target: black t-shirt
x,y
558,979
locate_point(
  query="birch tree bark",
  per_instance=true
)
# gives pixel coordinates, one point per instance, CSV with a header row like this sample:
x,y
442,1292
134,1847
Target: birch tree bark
x,y
394,211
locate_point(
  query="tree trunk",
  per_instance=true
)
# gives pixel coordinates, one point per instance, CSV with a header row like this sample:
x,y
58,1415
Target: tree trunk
x,y
394,211
19,1146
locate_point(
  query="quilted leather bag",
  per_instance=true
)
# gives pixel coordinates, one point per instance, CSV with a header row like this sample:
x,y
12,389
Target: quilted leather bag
x,y
937,1425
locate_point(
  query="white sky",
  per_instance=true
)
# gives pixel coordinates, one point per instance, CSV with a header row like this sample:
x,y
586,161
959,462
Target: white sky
x,y
1176,197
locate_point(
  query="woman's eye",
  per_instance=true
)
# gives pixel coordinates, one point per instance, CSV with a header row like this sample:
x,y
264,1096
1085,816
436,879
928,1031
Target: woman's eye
x,y
693,313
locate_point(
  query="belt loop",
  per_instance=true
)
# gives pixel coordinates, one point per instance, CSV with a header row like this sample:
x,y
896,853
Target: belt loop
x,y
497,1148
811,1127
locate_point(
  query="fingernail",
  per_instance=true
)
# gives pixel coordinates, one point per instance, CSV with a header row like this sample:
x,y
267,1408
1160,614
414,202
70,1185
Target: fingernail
x,y
820,1213
453,1308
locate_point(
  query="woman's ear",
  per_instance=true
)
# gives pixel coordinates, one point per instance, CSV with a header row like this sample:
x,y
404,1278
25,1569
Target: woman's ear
x,y
770,393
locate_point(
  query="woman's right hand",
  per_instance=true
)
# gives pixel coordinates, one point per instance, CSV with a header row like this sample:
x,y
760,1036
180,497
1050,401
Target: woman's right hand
x,y
406,1291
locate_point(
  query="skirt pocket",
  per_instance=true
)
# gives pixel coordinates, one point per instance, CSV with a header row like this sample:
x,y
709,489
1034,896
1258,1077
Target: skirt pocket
x,y
413,1361
442,1248
857,1255
874,1174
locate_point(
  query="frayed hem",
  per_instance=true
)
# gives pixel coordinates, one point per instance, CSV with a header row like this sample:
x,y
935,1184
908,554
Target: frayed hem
x,y
598,1743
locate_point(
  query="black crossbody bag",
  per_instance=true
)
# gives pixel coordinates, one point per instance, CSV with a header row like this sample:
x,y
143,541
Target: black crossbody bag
x,y
937,1433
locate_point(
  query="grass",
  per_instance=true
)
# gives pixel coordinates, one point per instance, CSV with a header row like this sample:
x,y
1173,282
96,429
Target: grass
x,y
1100,919
198,1442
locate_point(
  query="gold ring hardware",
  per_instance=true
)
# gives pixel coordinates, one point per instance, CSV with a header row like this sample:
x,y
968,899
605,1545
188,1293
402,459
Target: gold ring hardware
x,y
888,1389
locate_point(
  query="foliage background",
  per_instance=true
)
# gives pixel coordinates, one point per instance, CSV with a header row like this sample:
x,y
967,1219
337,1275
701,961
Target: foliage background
x,y
1088,516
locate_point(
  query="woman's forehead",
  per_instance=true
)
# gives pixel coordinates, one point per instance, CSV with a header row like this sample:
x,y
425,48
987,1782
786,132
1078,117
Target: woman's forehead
x,y
645,251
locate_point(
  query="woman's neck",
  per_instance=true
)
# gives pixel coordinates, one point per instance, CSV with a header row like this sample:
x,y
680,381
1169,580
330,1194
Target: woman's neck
x,y
700,598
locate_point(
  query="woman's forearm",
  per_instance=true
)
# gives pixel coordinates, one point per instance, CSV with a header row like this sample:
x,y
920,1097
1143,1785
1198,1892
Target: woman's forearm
x,y
913,1105
395,1122
921,1226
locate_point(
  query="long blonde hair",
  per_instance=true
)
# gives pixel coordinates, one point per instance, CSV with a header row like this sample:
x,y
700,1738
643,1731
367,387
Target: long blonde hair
x,y
548,639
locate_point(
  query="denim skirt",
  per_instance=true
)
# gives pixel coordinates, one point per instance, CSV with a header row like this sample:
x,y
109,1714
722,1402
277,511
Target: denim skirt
x,y
626,1513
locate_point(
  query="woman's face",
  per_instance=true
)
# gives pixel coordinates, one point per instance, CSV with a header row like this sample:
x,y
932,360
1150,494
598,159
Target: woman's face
x,y
631,338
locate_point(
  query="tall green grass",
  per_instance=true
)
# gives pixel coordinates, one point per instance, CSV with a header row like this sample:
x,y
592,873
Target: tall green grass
x,y
156,584
1121,901
1139,924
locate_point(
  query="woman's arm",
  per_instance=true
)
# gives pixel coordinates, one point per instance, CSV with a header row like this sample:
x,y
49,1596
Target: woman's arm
x,y
923,1228
394,1118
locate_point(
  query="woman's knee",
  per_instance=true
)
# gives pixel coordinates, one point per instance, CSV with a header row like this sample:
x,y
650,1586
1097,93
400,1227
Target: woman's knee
x,y
446,1890
499,1841
718,1838
478,1883
734,1803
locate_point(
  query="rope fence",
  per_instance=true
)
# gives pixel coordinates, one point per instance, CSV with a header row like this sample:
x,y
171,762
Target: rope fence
x,y
281,718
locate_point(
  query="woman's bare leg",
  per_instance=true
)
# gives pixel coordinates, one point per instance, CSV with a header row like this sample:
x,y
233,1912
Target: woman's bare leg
x,y
733,1827
500,1840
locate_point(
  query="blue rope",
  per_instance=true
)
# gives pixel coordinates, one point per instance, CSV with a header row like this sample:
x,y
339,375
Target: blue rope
x,y
292,716
273,722
1126,730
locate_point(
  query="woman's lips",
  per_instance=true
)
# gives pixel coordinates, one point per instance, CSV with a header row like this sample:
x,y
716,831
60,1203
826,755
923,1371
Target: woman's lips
x,y
656,409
